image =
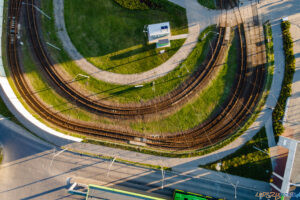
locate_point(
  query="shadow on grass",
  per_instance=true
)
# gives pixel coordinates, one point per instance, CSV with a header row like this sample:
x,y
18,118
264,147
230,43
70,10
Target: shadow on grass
x,y
132,52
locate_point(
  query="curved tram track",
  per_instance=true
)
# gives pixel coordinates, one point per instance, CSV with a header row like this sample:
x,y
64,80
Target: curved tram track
x,y
233,113
175,98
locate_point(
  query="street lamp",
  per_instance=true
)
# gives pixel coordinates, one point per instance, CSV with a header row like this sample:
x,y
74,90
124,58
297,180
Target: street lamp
x,y
235,187
163,176
111,164
57,154
218,168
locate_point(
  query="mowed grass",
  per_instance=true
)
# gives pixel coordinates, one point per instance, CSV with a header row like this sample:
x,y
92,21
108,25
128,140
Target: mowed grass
x,y
124,93
270,54
47,94
111,37
248,161
208,101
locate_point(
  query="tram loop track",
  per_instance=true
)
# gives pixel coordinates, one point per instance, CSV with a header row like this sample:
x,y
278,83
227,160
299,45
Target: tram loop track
x,y
235,111
175,98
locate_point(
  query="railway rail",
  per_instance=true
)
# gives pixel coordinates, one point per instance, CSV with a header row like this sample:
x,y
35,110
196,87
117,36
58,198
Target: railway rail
x,y
175,98
233,113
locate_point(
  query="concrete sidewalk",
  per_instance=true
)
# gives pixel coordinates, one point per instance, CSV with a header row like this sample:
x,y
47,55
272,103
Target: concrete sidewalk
x,y
198,19
277,78
274,11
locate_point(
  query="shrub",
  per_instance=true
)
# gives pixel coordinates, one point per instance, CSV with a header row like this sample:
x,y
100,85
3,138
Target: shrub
x,y
140,4
285,92
133,4
247,161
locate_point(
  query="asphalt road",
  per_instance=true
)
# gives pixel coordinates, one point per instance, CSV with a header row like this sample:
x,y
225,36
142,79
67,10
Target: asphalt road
x,y
26,172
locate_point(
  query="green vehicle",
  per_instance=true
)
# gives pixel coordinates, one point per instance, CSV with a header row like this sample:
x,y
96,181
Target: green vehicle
x,y
181,195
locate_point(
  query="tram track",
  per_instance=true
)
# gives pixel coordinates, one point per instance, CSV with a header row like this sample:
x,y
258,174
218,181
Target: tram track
x,y
175,98
231,116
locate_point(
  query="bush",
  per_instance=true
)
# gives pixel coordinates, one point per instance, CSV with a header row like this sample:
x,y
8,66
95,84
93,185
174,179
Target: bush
x,y
140,4
248,161
132,4
285,92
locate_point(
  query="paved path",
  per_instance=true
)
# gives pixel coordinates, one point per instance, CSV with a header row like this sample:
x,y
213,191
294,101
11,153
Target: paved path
x,y
274,11
198,19
293,112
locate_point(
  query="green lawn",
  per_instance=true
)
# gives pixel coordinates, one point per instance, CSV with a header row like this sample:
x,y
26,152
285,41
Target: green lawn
x,y
48,95
248,161
5,112
208,3
270,53
123,93
111,37
207,102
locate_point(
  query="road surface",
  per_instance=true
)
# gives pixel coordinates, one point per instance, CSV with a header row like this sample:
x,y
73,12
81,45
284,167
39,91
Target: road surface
x,y
26,172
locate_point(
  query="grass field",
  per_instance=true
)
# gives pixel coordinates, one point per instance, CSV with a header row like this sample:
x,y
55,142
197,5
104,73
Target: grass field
x,y
207,102
5,112
270,53
208,3
248,161
166,84
122,93
111,37
48,95
51,34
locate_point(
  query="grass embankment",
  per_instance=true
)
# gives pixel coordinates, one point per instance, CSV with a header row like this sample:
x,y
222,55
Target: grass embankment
x,y
208,3
202,107
163,85
286,87
269,53
248,161
5,112
3,109
111,37
122,93
270,67
49,96
168,82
